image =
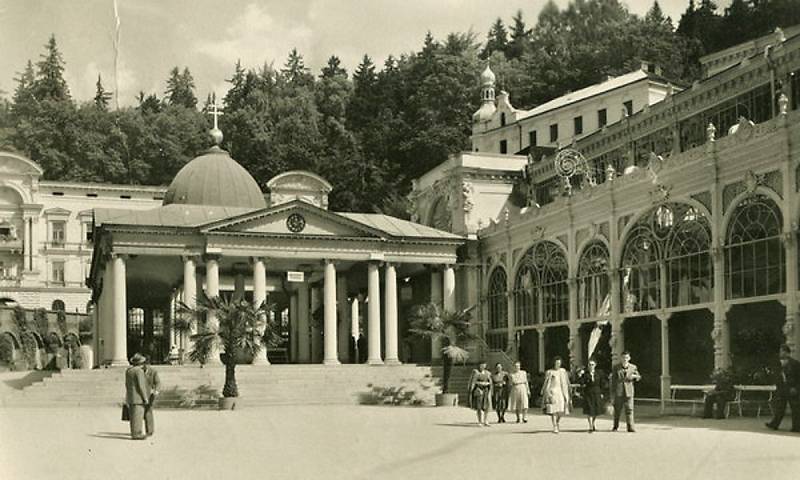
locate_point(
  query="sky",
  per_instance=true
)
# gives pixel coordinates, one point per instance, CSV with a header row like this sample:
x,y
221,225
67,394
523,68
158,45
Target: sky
x,y
209,36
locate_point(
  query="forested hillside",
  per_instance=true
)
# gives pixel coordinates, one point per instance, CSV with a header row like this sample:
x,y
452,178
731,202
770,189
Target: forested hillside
x,y
369,132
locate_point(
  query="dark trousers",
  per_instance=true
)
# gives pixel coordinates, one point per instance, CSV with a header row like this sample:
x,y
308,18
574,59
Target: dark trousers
x,y
149,421
779,407
500,405
137,421
621,402
715,398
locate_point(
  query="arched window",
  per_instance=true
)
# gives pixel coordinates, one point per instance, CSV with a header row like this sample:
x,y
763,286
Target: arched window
x,y
496,337
498,307
670,244
541,293
58,306
593,285
754,255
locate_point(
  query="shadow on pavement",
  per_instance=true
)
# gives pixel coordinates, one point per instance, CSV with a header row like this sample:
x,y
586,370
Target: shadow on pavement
x,y
111,435
28,379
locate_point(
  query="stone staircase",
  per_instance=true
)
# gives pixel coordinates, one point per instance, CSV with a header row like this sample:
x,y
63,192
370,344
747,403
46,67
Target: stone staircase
x,y
459,380
192,386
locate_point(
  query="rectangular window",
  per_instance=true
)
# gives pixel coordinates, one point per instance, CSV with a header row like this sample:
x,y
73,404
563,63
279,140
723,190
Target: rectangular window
x,y
602,118
58,272
553,132
88,233
503,146
532,138
578,121
58,233
629,107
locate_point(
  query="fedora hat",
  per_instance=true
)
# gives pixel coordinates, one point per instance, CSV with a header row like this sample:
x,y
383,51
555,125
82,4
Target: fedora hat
x,y
137,359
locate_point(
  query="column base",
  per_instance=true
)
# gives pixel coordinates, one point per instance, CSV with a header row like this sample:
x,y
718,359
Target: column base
x,y
259,360
392,361
331,361
374,361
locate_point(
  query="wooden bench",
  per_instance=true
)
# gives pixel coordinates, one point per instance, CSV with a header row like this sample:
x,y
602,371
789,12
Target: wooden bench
x,y
704,389
742,389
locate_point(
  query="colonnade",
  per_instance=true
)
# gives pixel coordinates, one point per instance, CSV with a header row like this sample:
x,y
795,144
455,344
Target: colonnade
x,y
113,308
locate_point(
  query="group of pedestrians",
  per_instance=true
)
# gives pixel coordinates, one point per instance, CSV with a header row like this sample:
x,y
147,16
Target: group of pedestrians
x,y
511,391
142,385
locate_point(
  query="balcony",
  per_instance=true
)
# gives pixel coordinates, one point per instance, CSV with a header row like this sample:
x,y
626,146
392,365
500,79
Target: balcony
x,y
10,244
10,280
68,246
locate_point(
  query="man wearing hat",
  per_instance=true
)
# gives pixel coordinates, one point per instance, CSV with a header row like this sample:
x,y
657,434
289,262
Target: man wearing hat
x,y
154,382
137,395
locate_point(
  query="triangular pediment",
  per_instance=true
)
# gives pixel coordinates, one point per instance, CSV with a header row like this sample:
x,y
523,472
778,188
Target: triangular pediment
x,y
294,218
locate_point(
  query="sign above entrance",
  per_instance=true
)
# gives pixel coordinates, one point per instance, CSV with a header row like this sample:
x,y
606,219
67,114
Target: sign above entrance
x,y
297,277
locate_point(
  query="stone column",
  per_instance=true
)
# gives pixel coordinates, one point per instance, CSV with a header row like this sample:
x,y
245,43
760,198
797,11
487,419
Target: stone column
x,y
118,342
343,316
542,359
189,299
436,298
27,261
390,285
666,379
790,244
303,340
259,297
293,328
212,290
331,353
617,342
575,350
449,288
354,327
374,314
720,333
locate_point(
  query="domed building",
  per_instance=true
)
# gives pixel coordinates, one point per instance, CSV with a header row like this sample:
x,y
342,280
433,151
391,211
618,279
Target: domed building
x,y
218,233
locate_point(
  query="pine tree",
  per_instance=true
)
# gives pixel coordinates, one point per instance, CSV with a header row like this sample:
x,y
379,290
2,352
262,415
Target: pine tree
x,y
295,71
24,99
180,89
101,96
333,68
361,109
50,83
496,40
520,37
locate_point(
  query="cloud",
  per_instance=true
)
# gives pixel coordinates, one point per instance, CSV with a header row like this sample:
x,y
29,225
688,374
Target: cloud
x,y
256,37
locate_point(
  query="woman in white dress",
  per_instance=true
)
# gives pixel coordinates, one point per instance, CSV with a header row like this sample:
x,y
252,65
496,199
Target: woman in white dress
x,y
520,392
556,397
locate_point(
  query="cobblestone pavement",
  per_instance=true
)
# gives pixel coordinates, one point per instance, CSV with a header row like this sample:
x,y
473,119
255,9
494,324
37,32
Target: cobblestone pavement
x,y
352,442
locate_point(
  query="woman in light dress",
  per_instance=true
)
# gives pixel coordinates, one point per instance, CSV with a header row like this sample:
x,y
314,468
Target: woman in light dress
x,y
520,392
480,393
556,397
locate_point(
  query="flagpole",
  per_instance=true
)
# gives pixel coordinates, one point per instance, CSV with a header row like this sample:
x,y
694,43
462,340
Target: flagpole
x,y
116,55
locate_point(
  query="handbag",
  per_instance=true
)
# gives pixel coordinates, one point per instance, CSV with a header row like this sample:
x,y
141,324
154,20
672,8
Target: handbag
x,y
126,413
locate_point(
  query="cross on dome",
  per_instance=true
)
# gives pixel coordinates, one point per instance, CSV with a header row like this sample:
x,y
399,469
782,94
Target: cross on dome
x,y
216,133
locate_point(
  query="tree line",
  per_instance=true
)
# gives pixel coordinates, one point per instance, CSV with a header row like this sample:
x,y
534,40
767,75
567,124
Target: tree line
x,y
370,132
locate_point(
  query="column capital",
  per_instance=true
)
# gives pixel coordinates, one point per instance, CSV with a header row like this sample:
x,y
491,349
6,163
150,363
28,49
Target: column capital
x,y
114,256
256,259
186,258
213,256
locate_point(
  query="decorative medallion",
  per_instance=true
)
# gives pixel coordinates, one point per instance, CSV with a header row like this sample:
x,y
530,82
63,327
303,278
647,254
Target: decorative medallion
x,y
296,223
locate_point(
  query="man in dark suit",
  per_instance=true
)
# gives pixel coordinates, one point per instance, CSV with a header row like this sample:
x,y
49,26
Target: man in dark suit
x,y
154,382
137,395
622,377
787,390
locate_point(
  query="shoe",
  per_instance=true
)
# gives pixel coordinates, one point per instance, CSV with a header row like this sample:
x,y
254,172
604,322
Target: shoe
x,y
555,430
486,425
518,420
524,420
614,429
770,426
631,430
139,438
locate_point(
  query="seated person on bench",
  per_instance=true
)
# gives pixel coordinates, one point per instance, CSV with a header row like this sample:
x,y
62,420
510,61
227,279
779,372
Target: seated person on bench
x,y
720,396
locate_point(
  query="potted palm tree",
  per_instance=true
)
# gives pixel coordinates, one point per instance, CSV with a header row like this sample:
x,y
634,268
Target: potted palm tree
x,y
453,328
243,329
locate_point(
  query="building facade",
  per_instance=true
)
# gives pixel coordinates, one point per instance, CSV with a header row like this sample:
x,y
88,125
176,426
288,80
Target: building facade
x,y
498,127
46,233
672,233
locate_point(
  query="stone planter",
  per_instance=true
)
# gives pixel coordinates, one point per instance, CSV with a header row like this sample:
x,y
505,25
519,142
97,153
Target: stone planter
x,y
446,399
227,403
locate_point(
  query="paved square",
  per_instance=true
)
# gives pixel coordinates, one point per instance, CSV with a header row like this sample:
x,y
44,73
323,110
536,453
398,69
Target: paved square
x,y
352,442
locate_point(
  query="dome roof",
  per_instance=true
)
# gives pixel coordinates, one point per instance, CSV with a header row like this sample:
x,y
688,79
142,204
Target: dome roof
x,y
487,77
215,179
